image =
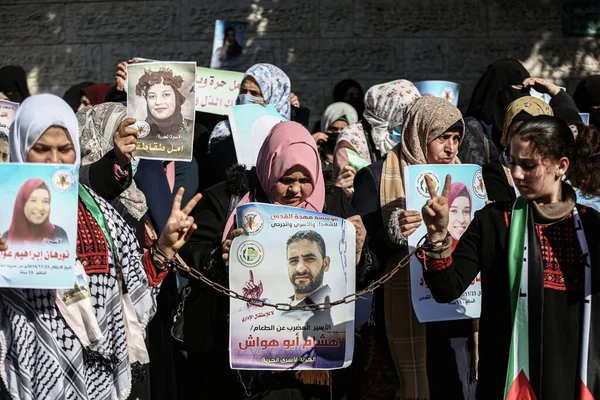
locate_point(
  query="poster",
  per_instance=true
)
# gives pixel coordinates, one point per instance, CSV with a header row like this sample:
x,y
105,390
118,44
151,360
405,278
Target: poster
x,y
310,260
544,96
7,115
443,89
216,91
161,97
228,46
250,125
39,224
467,195
585,118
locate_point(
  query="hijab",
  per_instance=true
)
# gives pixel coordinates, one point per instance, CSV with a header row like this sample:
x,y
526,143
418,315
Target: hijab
x,y
529,105
337,111
341,90
458,189
384,111
21,229
275,87
426,119
587,95
35,115
13,83
172,124
73,95
493,93
96,94
97,127
287,145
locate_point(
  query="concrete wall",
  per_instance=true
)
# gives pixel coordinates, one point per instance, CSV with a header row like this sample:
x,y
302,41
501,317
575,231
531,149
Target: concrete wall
x,y
317,43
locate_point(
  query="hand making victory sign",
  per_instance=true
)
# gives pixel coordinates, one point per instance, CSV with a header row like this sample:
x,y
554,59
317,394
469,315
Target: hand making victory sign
x,y
180,225
435,211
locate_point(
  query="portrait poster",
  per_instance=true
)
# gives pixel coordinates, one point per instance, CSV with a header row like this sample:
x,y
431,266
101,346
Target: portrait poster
x,y
161,97
216,91
467,195
7,115
291,256
39,224
250,125
442,89
228,46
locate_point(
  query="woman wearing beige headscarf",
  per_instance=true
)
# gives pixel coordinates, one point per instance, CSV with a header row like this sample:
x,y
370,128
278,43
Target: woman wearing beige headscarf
x,y
433,130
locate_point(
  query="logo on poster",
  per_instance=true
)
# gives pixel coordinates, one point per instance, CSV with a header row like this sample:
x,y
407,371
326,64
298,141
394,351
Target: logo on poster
x,y
250,253
63,180
479,186
143,128
422,185
252,221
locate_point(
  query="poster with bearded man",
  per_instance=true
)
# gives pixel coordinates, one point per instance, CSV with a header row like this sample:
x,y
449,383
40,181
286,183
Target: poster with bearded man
x,y
161,97
294,258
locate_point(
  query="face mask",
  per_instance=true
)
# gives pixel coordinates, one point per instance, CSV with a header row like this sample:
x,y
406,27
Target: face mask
x,y
396,134
247,99
134,164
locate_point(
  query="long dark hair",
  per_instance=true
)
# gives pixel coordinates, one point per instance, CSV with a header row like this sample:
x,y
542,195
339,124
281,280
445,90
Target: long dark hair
x,y
552,138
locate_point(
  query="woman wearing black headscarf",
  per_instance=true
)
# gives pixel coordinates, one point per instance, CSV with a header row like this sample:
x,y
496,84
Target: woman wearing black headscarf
x,y
587,98
13,83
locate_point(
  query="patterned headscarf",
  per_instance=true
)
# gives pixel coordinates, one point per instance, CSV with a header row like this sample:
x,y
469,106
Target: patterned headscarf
x,y
384,110
97,127
275,87
529,104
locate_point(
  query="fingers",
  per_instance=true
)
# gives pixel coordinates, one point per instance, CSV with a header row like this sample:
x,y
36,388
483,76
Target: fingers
x,y
447,184
251,276
431,187
177,201
349,168
191,204
235,233
412,219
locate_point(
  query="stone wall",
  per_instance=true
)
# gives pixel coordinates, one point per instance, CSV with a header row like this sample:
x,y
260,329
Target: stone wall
x,y
317,43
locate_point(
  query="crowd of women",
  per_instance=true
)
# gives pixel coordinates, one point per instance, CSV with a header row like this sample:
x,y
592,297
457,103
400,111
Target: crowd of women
x,y
535,246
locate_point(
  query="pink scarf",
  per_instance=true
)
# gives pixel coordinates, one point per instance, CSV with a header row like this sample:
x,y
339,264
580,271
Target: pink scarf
x,y
287,145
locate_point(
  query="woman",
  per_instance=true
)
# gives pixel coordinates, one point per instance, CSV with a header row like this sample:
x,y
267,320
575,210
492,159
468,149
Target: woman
x,y
431,134
587,98
499,184
350,91
228,56
93,95
163,105
335,118
460,206
31,216
288,172
378,132
84,350
537,270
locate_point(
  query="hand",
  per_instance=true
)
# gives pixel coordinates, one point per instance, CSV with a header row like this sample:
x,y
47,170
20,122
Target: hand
x,y
125,142
435,211
251,289
320,138
226,246
294,100
3,245
180,225
121,75
345,180
542,86
361,234
409,221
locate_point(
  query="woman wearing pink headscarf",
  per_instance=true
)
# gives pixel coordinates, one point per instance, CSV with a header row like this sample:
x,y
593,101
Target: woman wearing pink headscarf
x,y
288,172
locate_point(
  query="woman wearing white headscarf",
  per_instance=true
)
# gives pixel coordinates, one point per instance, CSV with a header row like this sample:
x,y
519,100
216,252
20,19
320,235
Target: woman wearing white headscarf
x,y
336,117
87,349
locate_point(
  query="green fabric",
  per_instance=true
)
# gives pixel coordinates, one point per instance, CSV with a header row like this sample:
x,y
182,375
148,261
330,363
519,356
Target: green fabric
x,y
355,160
93,208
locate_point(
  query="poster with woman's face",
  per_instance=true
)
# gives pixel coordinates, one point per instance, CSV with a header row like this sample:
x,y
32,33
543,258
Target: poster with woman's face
x,y
228,46
38,222
161,97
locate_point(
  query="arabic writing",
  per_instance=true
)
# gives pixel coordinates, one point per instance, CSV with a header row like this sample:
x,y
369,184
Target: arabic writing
x,y
287,360
287,344
34,255
159,147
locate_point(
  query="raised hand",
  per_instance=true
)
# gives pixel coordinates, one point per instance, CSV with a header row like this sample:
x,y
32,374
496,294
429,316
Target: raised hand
x,y
542,86
125,140
361,234
121,75
435,211
251,289
226,246
346,180
179,227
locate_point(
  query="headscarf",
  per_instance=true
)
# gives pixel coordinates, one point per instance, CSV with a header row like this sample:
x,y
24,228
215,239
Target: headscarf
x,y
527,104
21,229
97,127
341,89
287,145
493,93
35,115
384,110
275,87
458,189
96,94
13,83
587,94
337,111
73,95
425,120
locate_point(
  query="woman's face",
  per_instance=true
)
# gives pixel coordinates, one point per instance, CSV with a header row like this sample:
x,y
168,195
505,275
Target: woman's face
x,y
161,101
249,86
53,147
37,206
459,217
84,102
336,127
293,188
534,177
443,149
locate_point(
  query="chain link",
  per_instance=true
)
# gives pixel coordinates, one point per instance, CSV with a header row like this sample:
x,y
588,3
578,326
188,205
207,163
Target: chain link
x,y
178,261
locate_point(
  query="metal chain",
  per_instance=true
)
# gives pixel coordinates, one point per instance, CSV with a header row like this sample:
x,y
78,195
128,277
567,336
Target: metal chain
x,y
288,307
